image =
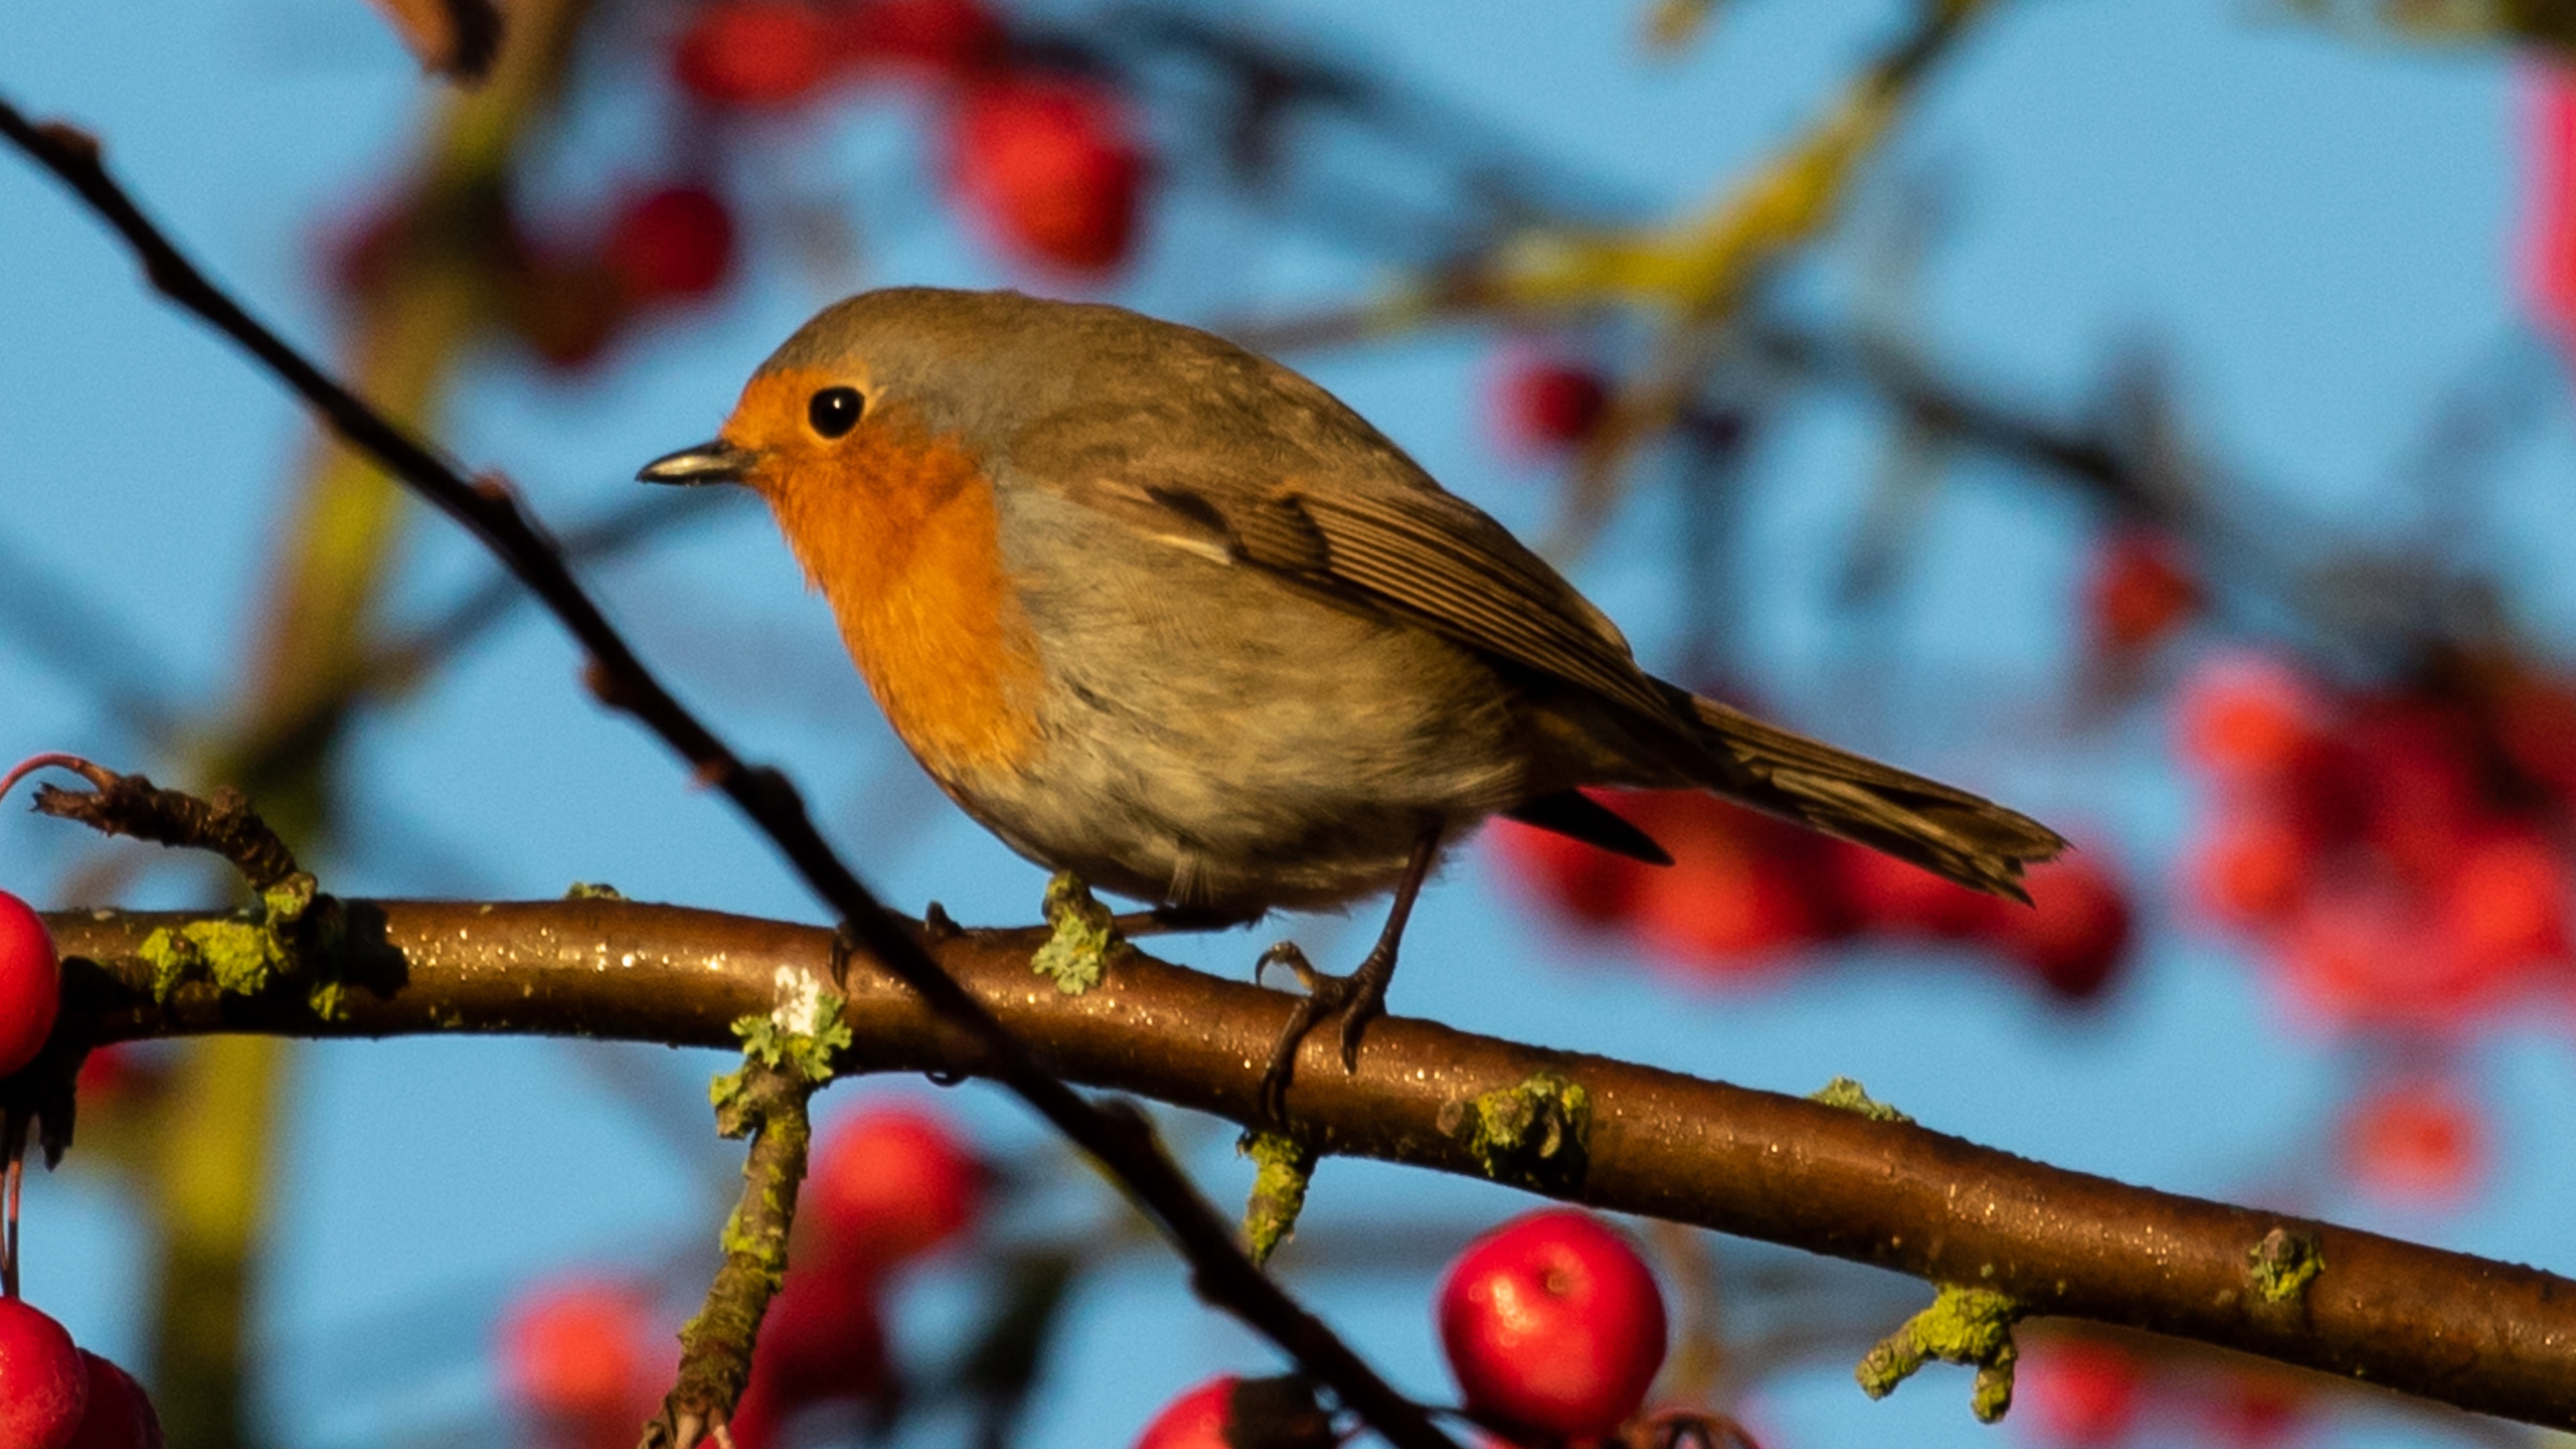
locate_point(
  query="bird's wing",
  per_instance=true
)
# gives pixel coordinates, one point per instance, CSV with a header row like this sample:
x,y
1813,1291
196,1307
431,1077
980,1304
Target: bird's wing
x,y
1358,522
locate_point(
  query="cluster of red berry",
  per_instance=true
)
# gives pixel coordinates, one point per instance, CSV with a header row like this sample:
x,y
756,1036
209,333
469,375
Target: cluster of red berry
x,y
2399,858
53,1393
1745,889
2398,853
889,1185
1047,161
1552,1325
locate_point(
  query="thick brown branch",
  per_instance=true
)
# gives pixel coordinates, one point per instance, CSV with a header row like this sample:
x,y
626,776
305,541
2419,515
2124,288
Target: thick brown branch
x,y
2488,1336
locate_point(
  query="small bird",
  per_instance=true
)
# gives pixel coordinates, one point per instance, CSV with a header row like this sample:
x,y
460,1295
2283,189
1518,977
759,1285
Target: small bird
x,y
1165,614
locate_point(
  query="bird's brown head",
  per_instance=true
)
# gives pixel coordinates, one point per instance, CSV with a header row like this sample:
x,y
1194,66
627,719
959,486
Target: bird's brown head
x,y
854,400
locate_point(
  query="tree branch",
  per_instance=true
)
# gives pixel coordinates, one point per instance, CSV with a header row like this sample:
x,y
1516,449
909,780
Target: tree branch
x,y
491,511
2487,1336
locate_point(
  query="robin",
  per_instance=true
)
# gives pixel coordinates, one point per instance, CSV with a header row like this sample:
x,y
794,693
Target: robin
x,y
1165,614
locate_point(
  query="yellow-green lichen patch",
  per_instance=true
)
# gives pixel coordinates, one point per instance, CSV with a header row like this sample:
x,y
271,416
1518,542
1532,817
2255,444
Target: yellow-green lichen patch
x,y
1282,1168
1533,1133
1084,942
1970,1326
1848,1094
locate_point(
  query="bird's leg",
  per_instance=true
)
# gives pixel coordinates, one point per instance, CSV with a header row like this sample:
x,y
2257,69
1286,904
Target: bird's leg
x,y
1358,998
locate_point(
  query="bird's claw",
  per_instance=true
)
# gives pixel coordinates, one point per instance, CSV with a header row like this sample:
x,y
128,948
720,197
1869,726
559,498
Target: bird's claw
x,y
1358,999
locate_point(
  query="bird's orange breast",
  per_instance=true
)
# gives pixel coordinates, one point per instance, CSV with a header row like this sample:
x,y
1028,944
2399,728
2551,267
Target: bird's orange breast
x,y
899,529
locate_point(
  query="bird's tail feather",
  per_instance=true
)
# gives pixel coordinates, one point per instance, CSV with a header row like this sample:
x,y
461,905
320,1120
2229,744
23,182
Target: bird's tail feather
x,y
1945,830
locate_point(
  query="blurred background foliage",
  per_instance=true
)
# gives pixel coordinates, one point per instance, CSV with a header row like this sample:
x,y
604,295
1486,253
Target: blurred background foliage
x,y
2154,414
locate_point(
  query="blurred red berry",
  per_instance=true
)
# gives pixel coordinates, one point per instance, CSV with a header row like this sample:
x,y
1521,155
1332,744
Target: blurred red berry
x,y
1586,883
31,984
2139,589
822,1340
573,1356
753,53
1742,886
2534,723
44,1385
1050,167
2504,906
2358,953
1552,1325
1880,893
2075,933
2256,1410
2549,247
2249,720
890,1183
1195,1420
567,309
946,39
1545,406
2250,867
1231,1412
2078,1393
2414,777
120,1414
2416,1140
675,243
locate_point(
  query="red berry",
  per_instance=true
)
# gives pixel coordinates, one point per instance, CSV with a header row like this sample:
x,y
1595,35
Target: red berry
x,y
120,1414
2504,906
1546,407
1880,893
567,309
2534,720
1195,1420
2075,933
2257,1410
1230,1412
2079,1393
890,1183
753,52
44,1385
2139,590
2417,1140
822,1340
573,1356
1051,168
675,243
1742,887
949,39
2550,248
2251,866
1553,1325
1585,882
2248,720
31,984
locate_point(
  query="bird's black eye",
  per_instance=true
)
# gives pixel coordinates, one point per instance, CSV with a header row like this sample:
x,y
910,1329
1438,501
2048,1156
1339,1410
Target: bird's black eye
x,y
835,410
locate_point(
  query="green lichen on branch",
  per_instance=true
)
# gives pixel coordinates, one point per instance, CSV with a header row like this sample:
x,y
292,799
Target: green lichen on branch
x,y
1848,1094
245,955
1282,1168
786,1055
1532,1134
583,890
766,1101
1963,1326
800,1038
1084,942
2284,1263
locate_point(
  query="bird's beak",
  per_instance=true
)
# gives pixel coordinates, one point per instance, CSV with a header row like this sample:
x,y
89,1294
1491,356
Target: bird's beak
x,y
716,462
